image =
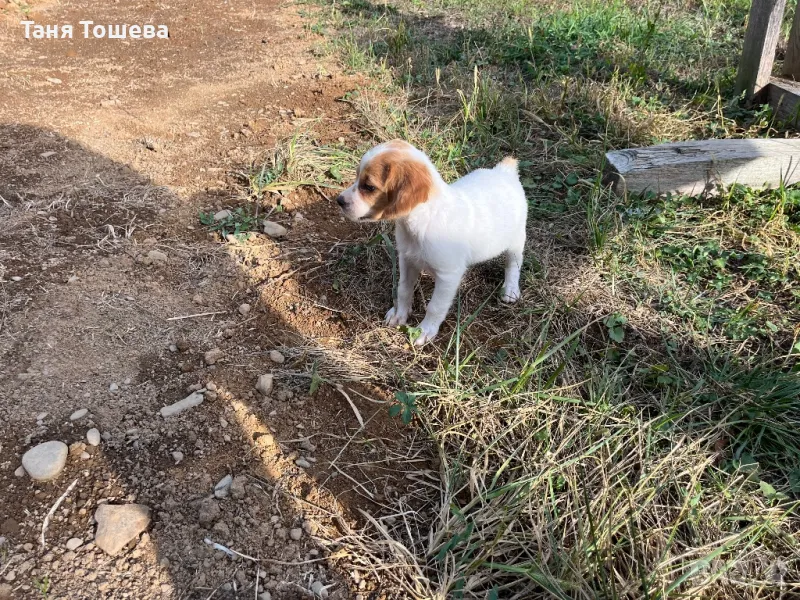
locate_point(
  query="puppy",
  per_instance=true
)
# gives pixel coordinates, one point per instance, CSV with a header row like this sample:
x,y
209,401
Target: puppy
x,y
440,228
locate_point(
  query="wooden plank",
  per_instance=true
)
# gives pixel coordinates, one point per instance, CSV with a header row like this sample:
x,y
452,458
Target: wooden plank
x,y
698,167
760,41
791,64
784,96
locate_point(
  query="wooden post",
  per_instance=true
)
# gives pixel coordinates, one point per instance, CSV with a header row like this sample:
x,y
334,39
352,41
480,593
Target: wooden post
x,y
791,66
760,41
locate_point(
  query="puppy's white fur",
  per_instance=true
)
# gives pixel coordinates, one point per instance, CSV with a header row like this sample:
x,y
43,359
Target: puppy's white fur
x,y
448,229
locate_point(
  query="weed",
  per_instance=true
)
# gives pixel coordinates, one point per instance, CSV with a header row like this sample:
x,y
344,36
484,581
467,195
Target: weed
x,y
405,408
237,223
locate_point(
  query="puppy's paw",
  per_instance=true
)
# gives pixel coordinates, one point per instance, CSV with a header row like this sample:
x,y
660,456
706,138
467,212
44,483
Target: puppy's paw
x,y
395,317
427,333
510,295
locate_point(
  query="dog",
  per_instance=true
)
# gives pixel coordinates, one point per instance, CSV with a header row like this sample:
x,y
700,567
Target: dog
x,y
441,229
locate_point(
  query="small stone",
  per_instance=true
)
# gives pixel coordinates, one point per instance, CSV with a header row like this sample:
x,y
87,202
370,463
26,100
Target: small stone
x,y
208,511
45,461
183,345
20,472
193,134
244,309
173,348
296,533
319,589
156,256
93,437
264,384
265,596
198,299
302,463
119,524
74,543
177,456
274,230
222,215
222,488
276,357
72,280
211,386
41,416
222,528
192,400
238,490
85,455
79,414
113,388
6,592
213,355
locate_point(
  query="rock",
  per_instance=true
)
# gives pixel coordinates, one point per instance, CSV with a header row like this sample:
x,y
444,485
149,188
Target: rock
x,y
223,487
6,592
156,256
79,414
113,388
274,230
93,437
238,490
276,357
193,134
177,456
208,511
319,589
261,596
296,533
213,355
119,524
302,463
20,472
244,309
192,400
264,384
41,416
85,456
183,345
222,215
74,543
45,461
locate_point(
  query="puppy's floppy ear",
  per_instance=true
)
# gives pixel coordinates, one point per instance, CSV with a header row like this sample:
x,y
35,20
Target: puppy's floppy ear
x,y
408,184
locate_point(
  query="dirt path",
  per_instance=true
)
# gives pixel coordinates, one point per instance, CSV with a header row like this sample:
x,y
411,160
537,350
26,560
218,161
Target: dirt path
x,y
108,150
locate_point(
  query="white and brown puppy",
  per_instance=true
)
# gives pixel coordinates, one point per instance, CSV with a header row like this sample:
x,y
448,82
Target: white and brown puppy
x,y
440,228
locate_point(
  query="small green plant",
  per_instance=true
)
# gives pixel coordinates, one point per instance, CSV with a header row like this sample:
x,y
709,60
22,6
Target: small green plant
x,y
238,223
42,584
616,327
405,407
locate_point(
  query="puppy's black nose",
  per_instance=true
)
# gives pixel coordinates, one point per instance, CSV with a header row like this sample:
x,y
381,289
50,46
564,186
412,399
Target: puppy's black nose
x,y
340,200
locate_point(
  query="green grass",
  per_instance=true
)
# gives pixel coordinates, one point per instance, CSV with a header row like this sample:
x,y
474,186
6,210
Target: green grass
x,y
629,429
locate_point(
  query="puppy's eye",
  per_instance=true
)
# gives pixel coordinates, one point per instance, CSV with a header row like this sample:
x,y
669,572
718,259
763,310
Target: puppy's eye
x,y
367,187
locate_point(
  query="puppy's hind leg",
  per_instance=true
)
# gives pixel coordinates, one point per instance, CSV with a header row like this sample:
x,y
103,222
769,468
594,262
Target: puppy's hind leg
x,y
511,291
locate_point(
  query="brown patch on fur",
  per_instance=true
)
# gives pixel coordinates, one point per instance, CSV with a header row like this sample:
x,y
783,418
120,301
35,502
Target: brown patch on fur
x,y
401,184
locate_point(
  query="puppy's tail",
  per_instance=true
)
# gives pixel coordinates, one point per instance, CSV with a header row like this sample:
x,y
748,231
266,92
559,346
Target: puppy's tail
x,y
509,164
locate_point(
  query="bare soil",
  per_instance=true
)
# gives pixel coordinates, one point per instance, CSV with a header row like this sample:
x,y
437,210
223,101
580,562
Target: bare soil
x,y
108,150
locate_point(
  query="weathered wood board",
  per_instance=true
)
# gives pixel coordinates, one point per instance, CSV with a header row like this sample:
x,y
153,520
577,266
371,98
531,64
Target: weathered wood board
x,y
700,166
760,41
784,96
791,64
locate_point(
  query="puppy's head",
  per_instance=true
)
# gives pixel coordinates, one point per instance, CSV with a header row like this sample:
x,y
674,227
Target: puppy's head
x,y
391,181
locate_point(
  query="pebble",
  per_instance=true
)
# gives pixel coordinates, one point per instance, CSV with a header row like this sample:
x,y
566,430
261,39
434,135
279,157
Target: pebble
x,y
213,355
119,524
192,400
265,596
41,416
296,533
113,388
274,230
85,455
93,437
264,384
20,472
222,488
244,309
319,589
198,299
222,215
177,456
74,543
302,463
45,461
156,256
16,278
79,414
276,357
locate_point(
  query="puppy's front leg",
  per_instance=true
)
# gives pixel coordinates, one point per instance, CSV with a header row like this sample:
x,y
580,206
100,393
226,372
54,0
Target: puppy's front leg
x,y
443,294
409,273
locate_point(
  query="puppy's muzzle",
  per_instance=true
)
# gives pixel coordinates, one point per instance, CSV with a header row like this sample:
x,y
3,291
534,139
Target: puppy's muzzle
x,y
341,201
